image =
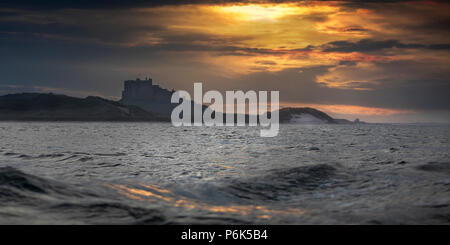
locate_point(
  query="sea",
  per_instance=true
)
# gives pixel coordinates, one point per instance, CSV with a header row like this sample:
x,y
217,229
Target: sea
x,y
155,173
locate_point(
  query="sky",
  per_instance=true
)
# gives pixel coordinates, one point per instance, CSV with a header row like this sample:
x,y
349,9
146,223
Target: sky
x,y
379,61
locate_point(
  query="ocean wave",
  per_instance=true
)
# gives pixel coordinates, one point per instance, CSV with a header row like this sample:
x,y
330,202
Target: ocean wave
x,y
110,213
275,184
66,203
15,183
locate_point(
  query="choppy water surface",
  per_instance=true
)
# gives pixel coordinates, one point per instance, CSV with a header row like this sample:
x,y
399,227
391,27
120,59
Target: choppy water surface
x,y
153,173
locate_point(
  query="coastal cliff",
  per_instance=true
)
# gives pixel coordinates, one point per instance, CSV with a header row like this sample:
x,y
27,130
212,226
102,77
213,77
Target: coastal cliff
x,y
306,115
53,107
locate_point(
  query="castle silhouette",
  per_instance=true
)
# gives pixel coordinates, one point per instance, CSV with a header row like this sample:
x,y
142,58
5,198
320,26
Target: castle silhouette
x,y
150,97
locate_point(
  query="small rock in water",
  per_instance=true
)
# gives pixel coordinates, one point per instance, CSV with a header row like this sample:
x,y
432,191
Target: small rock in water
x,y
402,162
314,148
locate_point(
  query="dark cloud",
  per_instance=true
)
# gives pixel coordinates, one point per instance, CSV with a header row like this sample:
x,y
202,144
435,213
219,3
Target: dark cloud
x,y
117,4
379,4
8,13
105,4
439,46
370,45
88,4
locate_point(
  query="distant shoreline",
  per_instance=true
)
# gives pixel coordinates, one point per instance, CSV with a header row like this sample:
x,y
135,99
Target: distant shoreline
x,y
49,107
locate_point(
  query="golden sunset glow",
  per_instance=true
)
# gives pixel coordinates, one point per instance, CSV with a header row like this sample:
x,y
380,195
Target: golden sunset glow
x,y
266,37
265,12
155,193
